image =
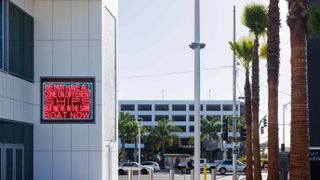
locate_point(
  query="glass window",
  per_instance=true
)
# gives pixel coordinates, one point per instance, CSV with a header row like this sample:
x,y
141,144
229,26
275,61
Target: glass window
x,y
191,107
20,43
191,128
191,117
162,107
144,118
144,107
179,118
159,117
227,107
183,128
127,107
213,107
179,107
1,34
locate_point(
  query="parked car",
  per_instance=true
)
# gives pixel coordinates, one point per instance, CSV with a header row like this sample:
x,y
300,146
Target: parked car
x,y
151,164
182,166
125,167
226,166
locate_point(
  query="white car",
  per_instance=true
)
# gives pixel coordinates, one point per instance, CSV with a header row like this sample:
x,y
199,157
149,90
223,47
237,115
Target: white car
x,y
151,164
135,167
226,166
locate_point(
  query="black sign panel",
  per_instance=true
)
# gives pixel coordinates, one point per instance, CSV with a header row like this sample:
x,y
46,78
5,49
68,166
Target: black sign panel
x,y
315,164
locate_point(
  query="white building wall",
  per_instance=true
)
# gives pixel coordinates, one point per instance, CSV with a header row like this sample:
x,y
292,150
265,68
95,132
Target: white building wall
x,y
68,42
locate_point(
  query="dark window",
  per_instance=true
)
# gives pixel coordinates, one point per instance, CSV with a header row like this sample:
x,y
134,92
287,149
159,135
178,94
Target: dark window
x,y
1,36
191,107
191,117
179,118
182,128
213,107
185,141
145,117
213,117
227,162
227,107
160,117
144,107
127,107
162,107
179,107
20,43
191,128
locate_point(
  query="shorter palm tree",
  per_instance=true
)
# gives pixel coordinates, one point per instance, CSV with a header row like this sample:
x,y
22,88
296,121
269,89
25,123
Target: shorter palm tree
x,y
244,52
127,131
163,135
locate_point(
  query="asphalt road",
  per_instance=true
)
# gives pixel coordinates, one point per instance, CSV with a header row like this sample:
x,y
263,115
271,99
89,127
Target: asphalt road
x,y
165,176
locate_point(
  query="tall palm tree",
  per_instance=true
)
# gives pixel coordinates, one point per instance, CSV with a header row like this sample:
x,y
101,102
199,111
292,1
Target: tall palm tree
x,y
298,24
273,56
163,135
314,20
244,51
255,18
127,131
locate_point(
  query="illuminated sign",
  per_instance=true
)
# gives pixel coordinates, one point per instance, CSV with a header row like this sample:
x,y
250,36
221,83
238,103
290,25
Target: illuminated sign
x,y
67,100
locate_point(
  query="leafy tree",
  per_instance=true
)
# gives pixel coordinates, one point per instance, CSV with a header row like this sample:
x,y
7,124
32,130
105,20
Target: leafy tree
x,y
298,24
163,135
255,18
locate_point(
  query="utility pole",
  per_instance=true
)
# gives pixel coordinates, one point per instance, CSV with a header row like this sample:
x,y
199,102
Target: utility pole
x,y
234,130
197,46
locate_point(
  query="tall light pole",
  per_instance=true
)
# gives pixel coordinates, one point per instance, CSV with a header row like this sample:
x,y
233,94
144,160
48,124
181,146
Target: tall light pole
x,y
234,130
284,127
139,143
197,46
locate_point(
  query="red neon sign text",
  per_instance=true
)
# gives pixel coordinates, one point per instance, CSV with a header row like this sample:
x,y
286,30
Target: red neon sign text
x,y
67,101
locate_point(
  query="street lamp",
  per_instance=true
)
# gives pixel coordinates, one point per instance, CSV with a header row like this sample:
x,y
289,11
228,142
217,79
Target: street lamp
x,y
284,122
197,46
139,143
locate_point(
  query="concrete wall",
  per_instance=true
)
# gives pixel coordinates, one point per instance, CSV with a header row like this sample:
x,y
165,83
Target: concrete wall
x,y
71,38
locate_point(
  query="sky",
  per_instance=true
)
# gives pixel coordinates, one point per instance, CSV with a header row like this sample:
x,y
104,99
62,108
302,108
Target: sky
x,y
155,61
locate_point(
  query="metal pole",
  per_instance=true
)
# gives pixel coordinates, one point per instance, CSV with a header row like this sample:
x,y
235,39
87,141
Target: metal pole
x,y
151,174
130,174
284,122
213,174
192,174
234,131
139,148
171,175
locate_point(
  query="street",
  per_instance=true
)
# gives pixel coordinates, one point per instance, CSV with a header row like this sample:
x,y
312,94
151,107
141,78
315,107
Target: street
x,y
165,176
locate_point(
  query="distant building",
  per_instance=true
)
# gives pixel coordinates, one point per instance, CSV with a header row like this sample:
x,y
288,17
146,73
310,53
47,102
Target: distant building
x,y
181,112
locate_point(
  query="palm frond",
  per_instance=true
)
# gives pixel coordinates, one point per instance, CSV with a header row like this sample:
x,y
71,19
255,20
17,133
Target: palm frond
x,y
263,51
255,17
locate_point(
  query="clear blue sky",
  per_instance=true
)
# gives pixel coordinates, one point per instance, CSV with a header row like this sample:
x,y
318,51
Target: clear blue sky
x,y
153,51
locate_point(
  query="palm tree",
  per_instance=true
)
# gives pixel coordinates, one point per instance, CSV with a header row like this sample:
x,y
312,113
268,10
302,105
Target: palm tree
x,y
298,24
244,51
127,131
255,18
163,135
209,131
314,20
273,56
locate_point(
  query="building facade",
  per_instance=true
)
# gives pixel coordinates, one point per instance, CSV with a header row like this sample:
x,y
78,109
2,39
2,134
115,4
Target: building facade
x,y
313,100
181,112
46,45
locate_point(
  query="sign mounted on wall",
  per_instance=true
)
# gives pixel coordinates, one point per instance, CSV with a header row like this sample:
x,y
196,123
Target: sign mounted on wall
x,y
67,100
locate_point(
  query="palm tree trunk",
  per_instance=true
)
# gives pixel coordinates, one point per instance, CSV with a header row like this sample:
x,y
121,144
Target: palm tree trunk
x,y
273,54
297,21
247,90
163,151
123,158
255,110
